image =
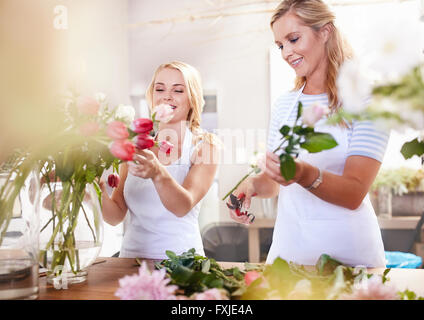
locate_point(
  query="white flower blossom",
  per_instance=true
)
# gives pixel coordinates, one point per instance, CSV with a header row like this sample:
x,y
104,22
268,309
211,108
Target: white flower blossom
x,y
394,47
354,87
258,161
125,113
100,97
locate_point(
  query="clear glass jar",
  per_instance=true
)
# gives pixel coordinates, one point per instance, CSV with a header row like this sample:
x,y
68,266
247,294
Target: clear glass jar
x,y
71,231
19,232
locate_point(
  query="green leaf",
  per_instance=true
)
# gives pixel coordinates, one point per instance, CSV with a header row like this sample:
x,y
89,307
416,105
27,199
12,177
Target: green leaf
x,y
299,111
326,265
206,265
287,166
181,275
412,148
90,173
285,130
304,130
318,141
385,278
170,254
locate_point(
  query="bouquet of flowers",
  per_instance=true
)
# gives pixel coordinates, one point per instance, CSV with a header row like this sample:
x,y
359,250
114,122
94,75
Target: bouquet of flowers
x,y
70,165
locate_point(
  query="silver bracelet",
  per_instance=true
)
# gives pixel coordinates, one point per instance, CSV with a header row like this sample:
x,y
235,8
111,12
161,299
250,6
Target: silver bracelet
x,y
317,181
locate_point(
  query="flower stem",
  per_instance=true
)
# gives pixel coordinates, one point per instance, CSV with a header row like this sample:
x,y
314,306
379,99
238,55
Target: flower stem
x,y
236,186
278,148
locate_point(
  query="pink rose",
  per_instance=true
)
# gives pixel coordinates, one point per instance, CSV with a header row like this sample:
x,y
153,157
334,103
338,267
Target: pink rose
x,y
211,294
87,105
123,149
144,141
163,113
143,125
113,180
89,128
166,147
251,276
314,113
371,289
117,130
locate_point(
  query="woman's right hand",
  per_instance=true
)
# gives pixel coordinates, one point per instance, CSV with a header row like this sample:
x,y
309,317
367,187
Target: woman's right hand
x,y
245,191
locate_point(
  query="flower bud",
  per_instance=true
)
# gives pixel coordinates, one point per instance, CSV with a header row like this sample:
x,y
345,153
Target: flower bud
x,y
113,180
122,149
87,105
143,125
144,141
117,130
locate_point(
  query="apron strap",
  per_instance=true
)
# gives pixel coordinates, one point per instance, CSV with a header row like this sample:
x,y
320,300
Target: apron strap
x,y
289,111
292,106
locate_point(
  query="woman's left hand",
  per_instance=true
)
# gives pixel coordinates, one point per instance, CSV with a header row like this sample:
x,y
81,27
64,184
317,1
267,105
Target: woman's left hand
x,y
272,169
145,164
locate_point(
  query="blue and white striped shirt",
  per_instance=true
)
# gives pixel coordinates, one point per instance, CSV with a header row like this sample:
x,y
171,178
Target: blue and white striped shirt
x,y
364,138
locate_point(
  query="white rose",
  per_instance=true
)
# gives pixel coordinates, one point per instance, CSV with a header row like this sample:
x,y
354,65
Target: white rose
x,y
314,113
100,97
125,113
353,87
163,113
394,48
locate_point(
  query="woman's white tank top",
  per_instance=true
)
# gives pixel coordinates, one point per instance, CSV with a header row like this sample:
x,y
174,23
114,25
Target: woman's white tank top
x,y
151,228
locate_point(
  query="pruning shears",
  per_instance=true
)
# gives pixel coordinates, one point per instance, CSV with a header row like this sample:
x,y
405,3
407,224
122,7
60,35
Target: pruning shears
x,y
237,204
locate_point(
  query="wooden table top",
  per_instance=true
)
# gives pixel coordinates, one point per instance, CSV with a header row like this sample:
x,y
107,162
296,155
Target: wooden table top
x,y
103,275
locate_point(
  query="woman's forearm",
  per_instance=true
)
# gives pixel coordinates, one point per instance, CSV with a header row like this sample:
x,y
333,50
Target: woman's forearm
x,y
113,214
173,196
265,187
347,191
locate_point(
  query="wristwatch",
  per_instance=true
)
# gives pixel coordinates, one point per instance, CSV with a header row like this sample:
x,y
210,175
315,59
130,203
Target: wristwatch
x,y
317,181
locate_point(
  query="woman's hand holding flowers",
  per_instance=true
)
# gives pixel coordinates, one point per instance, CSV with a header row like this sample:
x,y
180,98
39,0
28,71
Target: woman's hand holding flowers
x,y
145,165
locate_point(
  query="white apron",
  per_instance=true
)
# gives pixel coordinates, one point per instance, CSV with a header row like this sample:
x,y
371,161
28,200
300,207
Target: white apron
x,y
152,229
307,226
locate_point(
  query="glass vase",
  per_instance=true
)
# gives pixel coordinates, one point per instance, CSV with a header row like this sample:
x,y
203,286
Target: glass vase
x,y
71,233
19,233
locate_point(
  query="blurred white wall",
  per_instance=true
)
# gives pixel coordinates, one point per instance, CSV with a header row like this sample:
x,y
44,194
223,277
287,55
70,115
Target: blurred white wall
x,y
97,47
97,60
231,54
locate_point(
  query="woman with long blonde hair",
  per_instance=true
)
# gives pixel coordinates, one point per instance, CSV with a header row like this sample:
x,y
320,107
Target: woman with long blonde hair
x,y
325,208
162,192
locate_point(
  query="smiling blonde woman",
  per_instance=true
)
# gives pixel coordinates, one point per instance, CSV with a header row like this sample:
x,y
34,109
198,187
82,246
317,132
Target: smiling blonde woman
x,y
326,207
162,192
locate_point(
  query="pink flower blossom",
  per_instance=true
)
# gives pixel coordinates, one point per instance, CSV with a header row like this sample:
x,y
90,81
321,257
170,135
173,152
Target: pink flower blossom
x,y
251,276
123,149
143,125
211,294
163,113
371,289
87,105
146,285
144,141
314,113
89,128
117,130
165,146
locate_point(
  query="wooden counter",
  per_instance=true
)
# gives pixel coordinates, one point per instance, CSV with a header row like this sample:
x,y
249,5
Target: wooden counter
x,y
102,280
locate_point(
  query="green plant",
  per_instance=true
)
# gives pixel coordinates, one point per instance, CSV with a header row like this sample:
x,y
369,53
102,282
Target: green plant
x,y
195,273
400,180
